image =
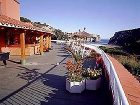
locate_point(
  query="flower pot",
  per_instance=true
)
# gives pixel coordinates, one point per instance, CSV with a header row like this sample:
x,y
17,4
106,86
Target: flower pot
x,y
93,84
75,87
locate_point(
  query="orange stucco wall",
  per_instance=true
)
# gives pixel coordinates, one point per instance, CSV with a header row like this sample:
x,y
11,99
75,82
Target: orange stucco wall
x,y
2,7
10,8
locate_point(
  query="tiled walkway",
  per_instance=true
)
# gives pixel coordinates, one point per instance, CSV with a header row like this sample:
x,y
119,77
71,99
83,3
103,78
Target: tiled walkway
x,y
49,87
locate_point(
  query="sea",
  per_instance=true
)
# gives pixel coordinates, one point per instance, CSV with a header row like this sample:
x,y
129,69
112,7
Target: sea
x,y
101,42
104,41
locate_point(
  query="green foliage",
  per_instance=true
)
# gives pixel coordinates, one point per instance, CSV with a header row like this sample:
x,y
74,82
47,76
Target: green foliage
x,y
130,62
133,47
23,19
92,74
59,34
74,77
113,50
77,56
39,24
103,48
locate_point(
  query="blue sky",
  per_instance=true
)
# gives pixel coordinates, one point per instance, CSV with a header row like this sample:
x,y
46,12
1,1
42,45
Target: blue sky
x,y
103,17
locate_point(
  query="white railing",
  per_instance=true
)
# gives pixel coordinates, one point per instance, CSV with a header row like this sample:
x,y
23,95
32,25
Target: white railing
x,y
119,97
117,90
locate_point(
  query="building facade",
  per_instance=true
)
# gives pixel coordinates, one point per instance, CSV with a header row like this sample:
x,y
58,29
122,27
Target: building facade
x,y
10,8
20,38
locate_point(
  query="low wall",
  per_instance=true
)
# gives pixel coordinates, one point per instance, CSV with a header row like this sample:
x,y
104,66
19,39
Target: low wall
x,y
16,50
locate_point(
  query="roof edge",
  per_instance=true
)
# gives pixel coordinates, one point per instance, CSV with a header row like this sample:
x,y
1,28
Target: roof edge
x,y
17,1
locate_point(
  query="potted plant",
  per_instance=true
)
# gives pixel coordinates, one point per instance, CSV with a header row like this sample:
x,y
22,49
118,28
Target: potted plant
x,y
93,78
75,83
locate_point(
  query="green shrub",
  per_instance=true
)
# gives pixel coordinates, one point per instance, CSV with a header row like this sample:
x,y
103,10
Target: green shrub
x,y
103,48
131,63
113,50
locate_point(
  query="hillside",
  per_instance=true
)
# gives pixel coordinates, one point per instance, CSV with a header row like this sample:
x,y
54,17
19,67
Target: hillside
x,y
57,33
128,39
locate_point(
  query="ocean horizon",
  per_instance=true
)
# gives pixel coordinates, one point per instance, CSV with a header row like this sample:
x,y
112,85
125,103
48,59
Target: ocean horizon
x,y
102,42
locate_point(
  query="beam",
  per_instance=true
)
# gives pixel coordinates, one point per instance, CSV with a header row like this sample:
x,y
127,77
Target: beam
x,y
41,44
49,41
22,45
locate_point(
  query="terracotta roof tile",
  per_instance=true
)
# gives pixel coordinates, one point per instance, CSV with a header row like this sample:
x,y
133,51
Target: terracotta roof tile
x,y
82,34
9,22
130,84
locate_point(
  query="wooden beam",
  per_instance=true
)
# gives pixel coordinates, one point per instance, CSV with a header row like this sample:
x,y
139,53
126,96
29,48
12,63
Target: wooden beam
x,y
47,42
22,45
41,44
50,41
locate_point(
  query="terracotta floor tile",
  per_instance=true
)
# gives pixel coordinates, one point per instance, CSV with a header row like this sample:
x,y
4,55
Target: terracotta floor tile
x,y
130,84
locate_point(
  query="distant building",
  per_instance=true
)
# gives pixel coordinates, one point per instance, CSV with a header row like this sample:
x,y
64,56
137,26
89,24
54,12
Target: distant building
x,y
10,8
85,36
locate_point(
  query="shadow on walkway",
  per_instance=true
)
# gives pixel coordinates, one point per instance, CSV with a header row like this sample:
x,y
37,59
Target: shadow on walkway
x,y
24,74
59,95
28,74
16,62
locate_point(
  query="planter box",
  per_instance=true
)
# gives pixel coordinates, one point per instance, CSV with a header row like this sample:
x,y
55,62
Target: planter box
x,y
75,87
93,84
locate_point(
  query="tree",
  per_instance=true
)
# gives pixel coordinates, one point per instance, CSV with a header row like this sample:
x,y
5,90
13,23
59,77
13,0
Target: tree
x,y
23,19
59,34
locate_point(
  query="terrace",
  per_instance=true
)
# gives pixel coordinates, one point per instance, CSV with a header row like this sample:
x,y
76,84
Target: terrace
x,y
42,81
47,86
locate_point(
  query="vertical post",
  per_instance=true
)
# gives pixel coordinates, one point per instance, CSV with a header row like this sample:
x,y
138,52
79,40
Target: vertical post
x,y
50,41
22,45
47,42
41,44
